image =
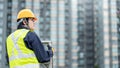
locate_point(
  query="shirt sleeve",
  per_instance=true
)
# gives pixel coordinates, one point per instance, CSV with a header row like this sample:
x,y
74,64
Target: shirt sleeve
x,y
33,42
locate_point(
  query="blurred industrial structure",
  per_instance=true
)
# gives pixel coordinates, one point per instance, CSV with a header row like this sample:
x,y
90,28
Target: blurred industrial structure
x,y
57,22
84,33
106,34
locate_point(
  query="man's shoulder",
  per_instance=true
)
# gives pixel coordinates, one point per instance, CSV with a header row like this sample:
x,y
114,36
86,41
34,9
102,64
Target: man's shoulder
x,y
31,34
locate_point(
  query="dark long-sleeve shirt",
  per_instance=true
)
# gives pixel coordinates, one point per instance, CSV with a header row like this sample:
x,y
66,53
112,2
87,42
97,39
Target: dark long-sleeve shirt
x,y
33,42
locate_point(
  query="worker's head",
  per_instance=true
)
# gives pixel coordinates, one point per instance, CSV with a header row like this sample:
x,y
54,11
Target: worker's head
x,y
26,18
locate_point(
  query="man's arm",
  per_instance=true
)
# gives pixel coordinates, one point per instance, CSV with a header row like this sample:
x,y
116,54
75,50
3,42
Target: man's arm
x,y
33,42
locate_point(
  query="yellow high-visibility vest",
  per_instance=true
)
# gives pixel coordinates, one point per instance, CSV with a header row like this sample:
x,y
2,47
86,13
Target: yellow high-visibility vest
x,y
19,55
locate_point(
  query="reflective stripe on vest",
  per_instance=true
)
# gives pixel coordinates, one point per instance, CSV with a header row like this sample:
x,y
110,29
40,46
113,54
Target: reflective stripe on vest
x,y
29,66
21,56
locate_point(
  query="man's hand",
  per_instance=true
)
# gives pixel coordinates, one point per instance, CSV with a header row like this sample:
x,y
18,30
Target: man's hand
x,y
50,48
53,50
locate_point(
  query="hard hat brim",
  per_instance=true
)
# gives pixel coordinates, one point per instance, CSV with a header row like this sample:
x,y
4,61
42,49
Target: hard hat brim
x,y
34,18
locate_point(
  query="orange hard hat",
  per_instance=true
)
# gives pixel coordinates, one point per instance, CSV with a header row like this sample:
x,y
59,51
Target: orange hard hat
x,y
26,13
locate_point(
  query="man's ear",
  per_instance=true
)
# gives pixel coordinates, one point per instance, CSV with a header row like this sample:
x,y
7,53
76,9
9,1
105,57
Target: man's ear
x,y
24,22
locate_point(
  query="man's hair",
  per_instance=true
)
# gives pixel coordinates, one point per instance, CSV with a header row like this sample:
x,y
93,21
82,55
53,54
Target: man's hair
x,y
20,24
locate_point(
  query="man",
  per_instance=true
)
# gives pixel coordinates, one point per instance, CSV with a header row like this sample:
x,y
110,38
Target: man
x,y
24,48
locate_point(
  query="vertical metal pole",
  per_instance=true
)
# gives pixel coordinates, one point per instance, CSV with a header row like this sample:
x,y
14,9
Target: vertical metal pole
x,y
110,44
57,54
52,62
44,15
4,62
